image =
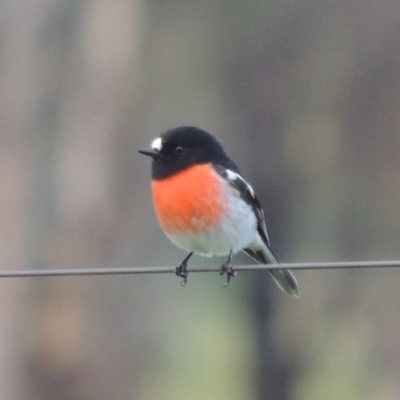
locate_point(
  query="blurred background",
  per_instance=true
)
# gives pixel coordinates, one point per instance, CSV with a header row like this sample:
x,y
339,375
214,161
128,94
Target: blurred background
x,y
304,95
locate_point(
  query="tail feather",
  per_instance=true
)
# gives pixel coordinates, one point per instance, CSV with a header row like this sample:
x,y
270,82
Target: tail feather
x,y
285,280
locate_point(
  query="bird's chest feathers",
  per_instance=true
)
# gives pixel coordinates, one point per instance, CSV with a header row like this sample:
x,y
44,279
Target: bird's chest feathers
x,y
189,201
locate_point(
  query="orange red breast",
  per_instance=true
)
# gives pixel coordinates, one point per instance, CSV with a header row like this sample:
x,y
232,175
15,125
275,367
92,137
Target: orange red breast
x,y
190,200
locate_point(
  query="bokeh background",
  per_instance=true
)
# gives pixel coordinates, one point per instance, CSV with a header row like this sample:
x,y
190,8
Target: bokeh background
x,y
305,95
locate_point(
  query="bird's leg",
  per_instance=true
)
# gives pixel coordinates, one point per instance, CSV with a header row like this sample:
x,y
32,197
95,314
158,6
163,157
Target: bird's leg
x,y
181,270
226,268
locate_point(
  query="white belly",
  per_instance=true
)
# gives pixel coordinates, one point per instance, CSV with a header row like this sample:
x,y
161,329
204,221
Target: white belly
x,y
237,231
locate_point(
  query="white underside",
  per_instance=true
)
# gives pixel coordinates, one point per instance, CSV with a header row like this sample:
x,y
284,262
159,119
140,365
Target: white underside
x,y
237,231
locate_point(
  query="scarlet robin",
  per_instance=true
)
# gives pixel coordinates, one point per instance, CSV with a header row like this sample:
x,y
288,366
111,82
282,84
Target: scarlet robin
x,y
205,206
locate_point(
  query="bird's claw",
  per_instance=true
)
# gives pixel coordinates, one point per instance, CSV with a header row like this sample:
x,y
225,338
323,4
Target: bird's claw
x,y
229,271
181,271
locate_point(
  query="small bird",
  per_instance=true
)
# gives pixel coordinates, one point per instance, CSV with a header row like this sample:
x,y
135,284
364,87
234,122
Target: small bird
x,y
205,206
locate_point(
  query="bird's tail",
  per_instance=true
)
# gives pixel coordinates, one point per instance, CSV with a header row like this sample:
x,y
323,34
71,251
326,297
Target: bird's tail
x,y
283,277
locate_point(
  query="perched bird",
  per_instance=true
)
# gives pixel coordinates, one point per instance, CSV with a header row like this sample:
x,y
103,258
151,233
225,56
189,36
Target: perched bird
x,y
205,206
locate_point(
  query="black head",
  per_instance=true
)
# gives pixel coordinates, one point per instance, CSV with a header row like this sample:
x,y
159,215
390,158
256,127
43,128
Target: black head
x,y
180,148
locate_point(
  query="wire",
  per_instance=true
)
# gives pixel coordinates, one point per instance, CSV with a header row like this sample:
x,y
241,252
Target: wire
x,y
169,270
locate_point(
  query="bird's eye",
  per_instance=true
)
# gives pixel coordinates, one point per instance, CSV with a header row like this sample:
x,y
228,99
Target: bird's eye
x,y
178,150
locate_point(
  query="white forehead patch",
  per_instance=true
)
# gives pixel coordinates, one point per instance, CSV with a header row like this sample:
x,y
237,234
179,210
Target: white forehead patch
x,y
157,144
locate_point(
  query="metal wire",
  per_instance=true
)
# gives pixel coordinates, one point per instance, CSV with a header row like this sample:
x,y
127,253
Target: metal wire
x,y
169,270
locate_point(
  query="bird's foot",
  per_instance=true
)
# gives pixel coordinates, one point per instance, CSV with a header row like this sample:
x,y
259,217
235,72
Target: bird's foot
x,y
181,270
227,269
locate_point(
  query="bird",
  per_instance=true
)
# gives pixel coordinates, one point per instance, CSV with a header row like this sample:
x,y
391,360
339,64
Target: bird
x,y
205,206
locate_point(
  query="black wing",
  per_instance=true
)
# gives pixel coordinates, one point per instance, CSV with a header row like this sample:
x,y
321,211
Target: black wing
x,y
248,195
284,278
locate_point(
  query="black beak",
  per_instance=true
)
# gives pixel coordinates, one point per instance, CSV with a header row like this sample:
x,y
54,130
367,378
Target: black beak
x,y
149,152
